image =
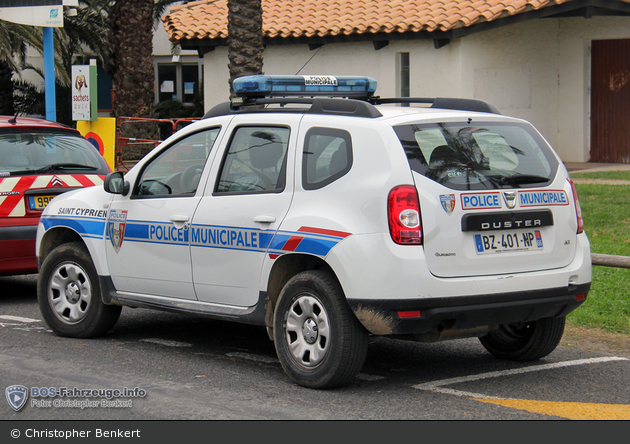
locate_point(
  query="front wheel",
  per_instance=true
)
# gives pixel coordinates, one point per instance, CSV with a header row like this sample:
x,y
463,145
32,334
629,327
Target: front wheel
x,y
525,342
319,341
69,294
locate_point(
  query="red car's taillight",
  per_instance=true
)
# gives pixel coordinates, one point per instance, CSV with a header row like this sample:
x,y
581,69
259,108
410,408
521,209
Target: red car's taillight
x,y
404,215
578,208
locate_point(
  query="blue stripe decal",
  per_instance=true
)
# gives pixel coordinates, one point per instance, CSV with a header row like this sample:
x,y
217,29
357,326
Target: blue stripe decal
x,y
86,226
202,236
319,247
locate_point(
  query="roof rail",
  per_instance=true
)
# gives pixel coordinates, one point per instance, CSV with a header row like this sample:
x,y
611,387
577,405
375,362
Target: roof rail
x,y
318,105
442,103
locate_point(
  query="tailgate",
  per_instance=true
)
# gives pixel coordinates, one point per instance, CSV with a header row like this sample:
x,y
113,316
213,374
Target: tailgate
x,y
480,233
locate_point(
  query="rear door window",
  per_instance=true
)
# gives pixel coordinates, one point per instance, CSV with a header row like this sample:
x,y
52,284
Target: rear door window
x,y
479,156
327,156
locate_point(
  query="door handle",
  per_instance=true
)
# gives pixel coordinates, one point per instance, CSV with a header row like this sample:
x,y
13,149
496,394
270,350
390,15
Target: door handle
x,y
179,220
264,219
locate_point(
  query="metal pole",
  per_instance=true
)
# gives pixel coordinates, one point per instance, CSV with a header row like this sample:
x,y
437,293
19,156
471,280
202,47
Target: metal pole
x,y
49,75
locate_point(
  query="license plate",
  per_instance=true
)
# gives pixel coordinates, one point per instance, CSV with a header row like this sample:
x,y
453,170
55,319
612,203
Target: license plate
x,y
505,242
39,202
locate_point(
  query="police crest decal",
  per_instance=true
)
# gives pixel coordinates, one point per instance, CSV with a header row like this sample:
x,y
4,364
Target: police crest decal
x,y
116,228
448,202
16,396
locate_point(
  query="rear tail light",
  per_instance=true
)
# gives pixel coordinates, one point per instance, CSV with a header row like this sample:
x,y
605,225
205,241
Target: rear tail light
x,y
578,208
404,215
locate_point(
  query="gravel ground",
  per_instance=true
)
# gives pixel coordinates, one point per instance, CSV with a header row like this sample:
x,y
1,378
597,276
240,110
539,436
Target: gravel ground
x,y
596,340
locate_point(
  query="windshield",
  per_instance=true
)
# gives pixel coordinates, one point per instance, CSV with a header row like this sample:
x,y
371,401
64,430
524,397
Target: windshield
x,y
480,155
31,152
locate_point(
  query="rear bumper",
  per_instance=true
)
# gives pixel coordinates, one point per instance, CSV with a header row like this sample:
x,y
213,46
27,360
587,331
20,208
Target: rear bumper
x,y
424,315
17,246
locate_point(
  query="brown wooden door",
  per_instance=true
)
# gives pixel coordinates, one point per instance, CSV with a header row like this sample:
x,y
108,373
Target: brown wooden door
x,y
610,101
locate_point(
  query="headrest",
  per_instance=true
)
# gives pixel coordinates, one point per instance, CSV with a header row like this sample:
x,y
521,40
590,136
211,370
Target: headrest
x,y
265,150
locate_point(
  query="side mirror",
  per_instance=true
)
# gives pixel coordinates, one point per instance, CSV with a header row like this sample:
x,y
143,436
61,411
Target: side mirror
x,y
115,183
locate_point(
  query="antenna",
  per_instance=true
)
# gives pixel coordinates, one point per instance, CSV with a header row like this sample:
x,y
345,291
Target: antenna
x,y
308,61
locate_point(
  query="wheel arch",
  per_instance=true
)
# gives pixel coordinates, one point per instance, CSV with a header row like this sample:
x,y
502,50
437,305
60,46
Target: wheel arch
x,y
284,268
63,235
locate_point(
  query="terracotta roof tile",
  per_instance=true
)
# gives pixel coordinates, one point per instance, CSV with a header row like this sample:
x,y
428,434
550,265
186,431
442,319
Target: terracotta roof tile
x,y
320,18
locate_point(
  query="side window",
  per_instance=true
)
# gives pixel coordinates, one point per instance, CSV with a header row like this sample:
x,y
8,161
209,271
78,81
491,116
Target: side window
x,y
255,160
327,156
177,170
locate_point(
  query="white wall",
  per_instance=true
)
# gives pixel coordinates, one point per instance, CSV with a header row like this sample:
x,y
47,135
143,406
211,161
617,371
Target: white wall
x,y
538,70
426,64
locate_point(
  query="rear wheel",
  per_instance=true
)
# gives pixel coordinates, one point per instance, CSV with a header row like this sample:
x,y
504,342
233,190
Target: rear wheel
x,y
319,341
69,294
525,342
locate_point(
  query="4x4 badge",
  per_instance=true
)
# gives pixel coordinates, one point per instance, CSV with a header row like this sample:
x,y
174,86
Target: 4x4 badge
x,y
448,202
17,396
510,198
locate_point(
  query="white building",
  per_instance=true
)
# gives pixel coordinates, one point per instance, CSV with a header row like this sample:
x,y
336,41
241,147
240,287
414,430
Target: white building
x,y
563,65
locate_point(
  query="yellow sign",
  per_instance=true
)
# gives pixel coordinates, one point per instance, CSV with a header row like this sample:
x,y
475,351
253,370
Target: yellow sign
x,y
102,134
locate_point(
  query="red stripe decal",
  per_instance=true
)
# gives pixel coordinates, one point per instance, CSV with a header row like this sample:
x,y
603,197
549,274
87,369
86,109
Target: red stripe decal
x,y
292,243
10,202
325,232
83,180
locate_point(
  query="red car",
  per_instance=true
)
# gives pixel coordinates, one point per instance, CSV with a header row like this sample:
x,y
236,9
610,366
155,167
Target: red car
x,y
39,160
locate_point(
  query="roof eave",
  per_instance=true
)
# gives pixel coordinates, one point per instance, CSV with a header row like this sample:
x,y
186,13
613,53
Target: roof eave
x,y
575,8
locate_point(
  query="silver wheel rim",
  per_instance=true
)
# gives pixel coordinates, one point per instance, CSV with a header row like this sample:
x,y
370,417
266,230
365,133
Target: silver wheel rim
x,y
69,293
307,331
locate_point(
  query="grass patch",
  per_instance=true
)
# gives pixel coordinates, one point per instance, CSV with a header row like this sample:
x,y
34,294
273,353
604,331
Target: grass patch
x,y
605,175
606,210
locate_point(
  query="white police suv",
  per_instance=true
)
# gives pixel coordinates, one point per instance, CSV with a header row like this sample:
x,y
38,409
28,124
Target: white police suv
x,y
315,208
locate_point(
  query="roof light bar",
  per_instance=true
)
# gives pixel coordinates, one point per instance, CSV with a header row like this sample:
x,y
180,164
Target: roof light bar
x,y
283,86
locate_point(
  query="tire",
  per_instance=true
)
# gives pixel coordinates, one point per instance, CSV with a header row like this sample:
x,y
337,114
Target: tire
x,y
69,294
319,341
528,342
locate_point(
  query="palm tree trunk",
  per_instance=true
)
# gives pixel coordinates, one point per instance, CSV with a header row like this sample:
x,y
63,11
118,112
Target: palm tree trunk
x,y
131,38
245,38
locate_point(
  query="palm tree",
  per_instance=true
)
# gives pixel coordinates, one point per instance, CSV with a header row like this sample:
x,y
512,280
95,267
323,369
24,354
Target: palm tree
x,y
131,61
245,38
84,34
13,42
131,64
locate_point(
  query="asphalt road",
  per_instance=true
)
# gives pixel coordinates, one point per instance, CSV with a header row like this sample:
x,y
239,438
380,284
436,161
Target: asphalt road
x,y
191,368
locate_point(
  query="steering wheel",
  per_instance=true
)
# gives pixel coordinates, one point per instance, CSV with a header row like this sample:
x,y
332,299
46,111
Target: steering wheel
x,y
189,179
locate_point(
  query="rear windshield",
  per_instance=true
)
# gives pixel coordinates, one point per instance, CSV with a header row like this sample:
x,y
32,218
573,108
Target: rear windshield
x,y
479,156
36,152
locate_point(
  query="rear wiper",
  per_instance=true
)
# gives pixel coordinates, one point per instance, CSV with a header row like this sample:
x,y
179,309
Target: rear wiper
x,y
523,178
65,166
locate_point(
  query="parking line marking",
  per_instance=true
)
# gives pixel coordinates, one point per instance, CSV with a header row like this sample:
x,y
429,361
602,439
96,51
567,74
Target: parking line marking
x,y
253,357
18,318
569,410
166,342
436,386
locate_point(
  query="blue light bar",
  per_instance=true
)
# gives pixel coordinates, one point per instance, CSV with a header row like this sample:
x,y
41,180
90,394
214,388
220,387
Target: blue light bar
x,y
281,86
